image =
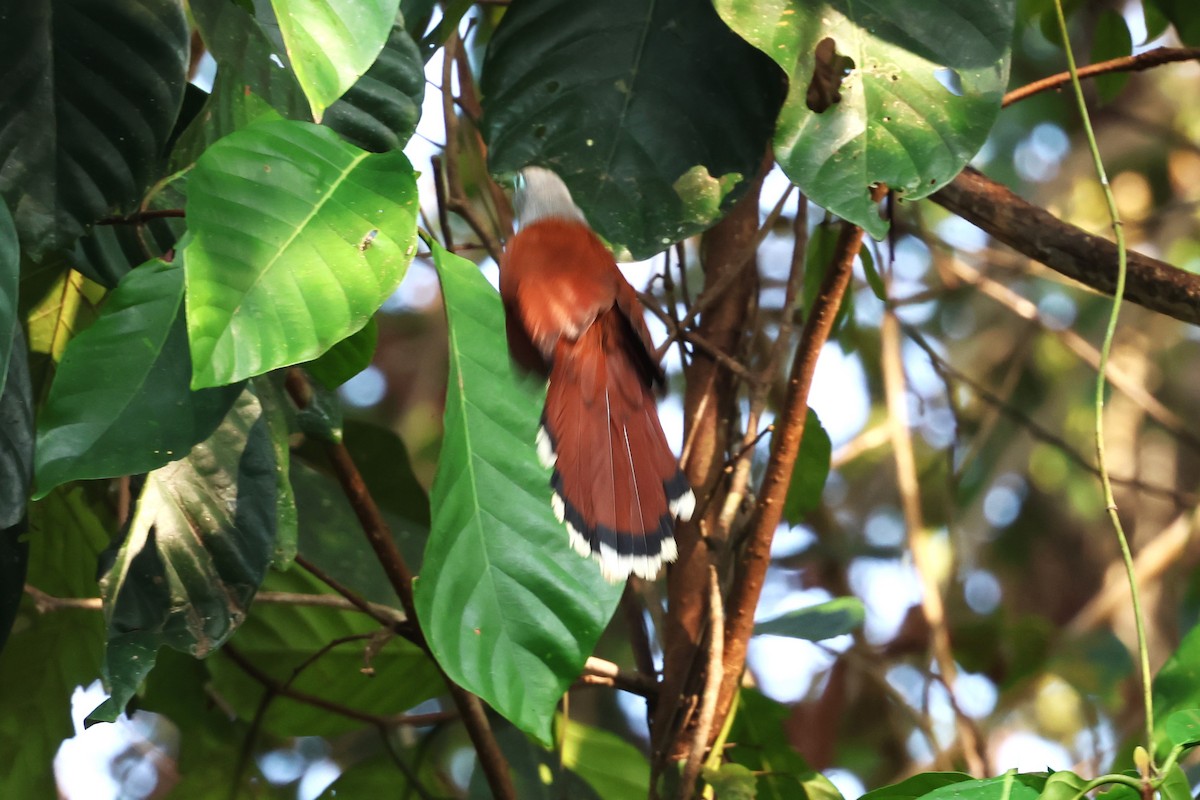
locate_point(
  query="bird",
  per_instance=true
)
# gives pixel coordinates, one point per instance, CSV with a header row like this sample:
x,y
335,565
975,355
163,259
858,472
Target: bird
x,y
572,318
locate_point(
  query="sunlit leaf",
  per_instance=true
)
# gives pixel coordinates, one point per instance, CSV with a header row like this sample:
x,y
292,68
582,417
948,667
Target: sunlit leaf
x,y
537,772
656,137
93,94
918,99
613,766
330,43
276,273
818,622
197,549
509,610
120,402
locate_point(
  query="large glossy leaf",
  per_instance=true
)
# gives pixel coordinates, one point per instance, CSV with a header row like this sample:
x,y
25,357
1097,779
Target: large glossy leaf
x,y
120,402
277,271
16,436
509,610
49,654
917,103
763,747
196,551
653,112
377,676
537,772
613,766
9,276
1177,686
381,110
818,622
90,96
332,42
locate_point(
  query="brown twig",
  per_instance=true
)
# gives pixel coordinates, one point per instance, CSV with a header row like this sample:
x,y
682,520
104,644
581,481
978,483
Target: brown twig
x,y
138,217
1135,63
768,511
492,761
384,615
712,683
1069,250
598,672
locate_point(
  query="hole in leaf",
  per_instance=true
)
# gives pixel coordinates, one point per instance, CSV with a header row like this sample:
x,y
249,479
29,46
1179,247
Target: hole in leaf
x,y
830,68
950,79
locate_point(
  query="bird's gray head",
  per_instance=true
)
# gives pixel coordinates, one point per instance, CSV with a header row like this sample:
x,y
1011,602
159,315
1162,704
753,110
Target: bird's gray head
x,y
541,194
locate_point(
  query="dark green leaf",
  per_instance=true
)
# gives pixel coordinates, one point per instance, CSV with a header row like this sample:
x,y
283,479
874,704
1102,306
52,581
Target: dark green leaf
x,y
916,786
537,773
817,623
762,746
889,119
120,402
381,110
330,43
1184,15
347,358
656,138
67,306
384,676
610,764
510,611
10,268
732,782
809,472
1177,685
275,271
1111,40
93,96
375,777
1156,22
322,418
196,551
16,436
50,654
277,412
873,278
818,258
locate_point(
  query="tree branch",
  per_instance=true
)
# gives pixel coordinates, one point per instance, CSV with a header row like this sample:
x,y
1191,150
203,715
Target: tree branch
x,y
1135,63
1071,251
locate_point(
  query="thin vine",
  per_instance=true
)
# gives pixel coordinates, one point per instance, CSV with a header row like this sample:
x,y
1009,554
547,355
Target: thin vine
x,y
1101,383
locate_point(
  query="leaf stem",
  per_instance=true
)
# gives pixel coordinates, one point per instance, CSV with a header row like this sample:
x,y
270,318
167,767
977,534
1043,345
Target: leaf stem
x,y
1101,383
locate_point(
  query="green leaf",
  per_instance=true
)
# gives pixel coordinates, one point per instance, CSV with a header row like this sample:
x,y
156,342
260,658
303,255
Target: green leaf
x,y
763,747
537,772
809,472
387,675
916,786
1062,785
818,258
610,764
1177,686
1176,786
381,110
732,782
891,120
510,611
1183,727
68,306
347,358
377,776
120,402
197,549
1111,39
818,622
330,43
277,412
1005,787
657,137
873,278
16,436
99,91
275,271
10,267
1184,15
50,654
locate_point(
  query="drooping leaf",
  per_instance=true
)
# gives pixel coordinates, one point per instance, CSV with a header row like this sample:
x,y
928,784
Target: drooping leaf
x,y
16,436
10,270
280,425
49,654
509,610
120,402
381,110
196,551
92,93
1111,39
654,113
383,676
921,89
809,472
330,43
275,271
613,766
345,359
817,622
763,747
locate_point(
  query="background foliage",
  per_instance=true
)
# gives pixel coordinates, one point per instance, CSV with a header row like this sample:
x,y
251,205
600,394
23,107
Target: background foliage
x,y
268,478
